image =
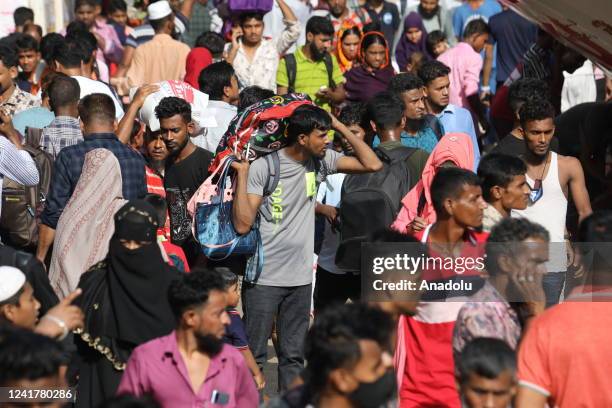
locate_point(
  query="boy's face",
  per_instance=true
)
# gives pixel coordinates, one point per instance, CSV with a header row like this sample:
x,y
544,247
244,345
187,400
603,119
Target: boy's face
x,y
28,60
440,48
86,14
25,313
233,295
481,392
346,146
119,16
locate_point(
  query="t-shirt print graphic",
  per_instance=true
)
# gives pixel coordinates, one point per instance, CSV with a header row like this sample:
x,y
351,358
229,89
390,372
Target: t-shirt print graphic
x,y
180,221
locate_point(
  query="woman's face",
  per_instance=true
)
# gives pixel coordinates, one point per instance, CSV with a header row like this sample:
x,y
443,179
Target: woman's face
x,y
414,34
375,56
350,45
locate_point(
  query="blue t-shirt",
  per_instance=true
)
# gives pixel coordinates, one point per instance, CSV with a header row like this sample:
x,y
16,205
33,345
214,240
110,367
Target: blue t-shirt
x,y
425,139
513,35
235,334
464,14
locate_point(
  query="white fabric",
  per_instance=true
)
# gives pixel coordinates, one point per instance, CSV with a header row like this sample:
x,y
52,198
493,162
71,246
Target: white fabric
x,y
274,25
223,113
578,87
159,10
331,192
89,86
17,165
11,280
550,211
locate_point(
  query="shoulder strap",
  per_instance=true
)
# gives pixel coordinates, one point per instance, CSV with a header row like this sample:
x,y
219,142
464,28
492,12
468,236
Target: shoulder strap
x,y
435,125
399,153
33,136
291,66
329,66
273,163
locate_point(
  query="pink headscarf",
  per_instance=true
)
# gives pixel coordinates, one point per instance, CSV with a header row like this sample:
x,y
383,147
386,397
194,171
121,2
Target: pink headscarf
x,y
454,147
197,59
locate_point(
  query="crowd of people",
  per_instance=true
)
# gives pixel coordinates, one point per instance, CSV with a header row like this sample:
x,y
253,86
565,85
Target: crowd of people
x,y
454,128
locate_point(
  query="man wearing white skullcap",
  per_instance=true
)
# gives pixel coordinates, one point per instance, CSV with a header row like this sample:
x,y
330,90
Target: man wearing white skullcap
x,y
19,307
163,58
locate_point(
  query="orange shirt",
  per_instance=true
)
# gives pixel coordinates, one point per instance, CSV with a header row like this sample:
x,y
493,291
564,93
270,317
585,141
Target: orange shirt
x,y
566,354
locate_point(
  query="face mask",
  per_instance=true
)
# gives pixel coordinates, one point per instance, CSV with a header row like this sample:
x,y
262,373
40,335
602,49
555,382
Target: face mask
x,y
374,394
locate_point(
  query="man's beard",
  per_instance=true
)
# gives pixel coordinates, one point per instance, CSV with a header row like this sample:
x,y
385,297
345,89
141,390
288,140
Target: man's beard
x,y
428,15
316,54
209,344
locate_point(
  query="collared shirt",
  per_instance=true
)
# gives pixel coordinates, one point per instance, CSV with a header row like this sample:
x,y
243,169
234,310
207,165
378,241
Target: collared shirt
x,y
157,368
64,131
69,164
19,101
144,33
17,165
310,76
465,65
261,71
486,314
161,59
223,112
455,119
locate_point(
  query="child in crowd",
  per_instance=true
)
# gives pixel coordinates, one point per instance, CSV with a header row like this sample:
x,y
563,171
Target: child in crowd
x,y
235,334
437,43
30,63
213,42
486,374
118,18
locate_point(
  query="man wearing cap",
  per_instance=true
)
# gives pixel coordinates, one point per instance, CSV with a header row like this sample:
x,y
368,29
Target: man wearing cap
x,y
19,307
163,58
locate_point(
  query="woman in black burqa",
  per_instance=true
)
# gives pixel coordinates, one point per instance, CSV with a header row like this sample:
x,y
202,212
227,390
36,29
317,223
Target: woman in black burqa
x,y
125,303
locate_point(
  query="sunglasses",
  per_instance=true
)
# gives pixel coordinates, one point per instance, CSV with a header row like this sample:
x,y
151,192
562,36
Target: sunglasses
x,y
536,192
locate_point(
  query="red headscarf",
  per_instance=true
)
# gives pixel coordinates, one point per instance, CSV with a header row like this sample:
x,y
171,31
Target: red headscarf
x,y
453,147
198,59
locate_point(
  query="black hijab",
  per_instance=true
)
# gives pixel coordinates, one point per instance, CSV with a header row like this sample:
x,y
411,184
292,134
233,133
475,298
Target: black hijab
x,y
138,279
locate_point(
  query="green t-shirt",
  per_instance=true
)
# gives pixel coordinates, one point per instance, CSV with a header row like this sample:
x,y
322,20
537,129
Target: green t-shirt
x,y
310,76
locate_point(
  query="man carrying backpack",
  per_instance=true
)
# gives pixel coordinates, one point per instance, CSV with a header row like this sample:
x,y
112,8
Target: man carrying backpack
x,y
286,223
312,70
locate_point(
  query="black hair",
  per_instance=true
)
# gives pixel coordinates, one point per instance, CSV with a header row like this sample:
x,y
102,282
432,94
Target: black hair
x,y
371,39
476,27
505,235
63,91
536,109
21,15
404,82
70,53
159,24
244,17
77,31
373,25
97,107
160,205
448,183
80,3
485,357
38,28
431,70
212,41
130,401
319,25
116,5
229,277
304,120
214,78
25,355
497,169
49,45
433,38
352,114
386,110
252,95
354,30
524,89
8,56
170,106
333,340
26,42
13,300
597,227
192,290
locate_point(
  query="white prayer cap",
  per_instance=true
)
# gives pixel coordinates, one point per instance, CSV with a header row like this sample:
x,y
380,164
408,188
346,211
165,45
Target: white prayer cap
x,y
11,281
159,10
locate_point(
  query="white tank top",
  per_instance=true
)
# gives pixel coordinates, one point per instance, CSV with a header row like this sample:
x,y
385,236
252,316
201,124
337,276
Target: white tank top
x,y
550,211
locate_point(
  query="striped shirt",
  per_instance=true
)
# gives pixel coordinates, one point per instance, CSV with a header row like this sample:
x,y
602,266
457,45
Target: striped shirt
x,y
17,165
310,76
64,131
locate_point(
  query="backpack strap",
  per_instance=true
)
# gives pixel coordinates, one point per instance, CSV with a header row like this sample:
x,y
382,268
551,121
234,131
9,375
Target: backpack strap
x,y
291,66
273,165
435,125
329,66
33,136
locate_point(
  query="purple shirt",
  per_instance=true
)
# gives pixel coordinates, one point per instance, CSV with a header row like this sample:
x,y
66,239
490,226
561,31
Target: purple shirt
x,y
157,368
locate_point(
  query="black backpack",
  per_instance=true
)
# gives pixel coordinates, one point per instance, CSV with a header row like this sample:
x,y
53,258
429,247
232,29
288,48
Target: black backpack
x,y
370,202
291,65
